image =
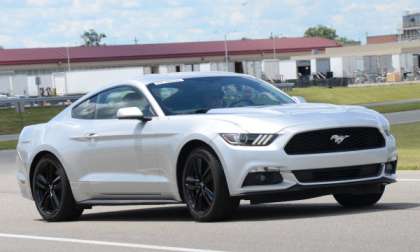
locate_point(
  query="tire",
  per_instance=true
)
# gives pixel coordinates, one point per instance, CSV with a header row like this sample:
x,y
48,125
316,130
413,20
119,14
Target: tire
x,y
204,187
52,193
359,200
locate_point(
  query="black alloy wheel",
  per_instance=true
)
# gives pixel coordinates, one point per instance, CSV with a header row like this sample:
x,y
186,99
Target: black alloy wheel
x,y
51,191
204,187
199,184
48,188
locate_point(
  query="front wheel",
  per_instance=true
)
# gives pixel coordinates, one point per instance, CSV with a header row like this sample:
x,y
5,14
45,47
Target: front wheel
x,y
359,200
205,188
52,193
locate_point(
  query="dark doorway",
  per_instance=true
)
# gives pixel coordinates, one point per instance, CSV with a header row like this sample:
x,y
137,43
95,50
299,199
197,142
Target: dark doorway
x,y
418,61
304,71
239,68
178,69
155,69
303,68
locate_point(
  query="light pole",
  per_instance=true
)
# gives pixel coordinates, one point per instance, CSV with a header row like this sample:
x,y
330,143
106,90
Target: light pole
x,y
274,46
68,70
226,54
68,58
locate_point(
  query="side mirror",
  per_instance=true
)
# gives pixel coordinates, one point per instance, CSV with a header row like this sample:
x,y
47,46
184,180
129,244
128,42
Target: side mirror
x,y
299,99
131,113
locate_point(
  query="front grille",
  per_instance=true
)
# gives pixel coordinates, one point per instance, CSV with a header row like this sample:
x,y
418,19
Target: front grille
x,y
338,173
331,140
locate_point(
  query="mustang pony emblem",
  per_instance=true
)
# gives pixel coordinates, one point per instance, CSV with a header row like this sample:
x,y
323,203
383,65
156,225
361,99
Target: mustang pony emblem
x,y
338,139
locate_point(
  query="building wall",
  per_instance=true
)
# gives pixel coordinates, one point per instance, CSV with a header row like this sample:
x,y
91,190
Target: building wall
x,y
313,66
406,62
5,84
253,68
20,85
271,70
288,69
396,62
337,67
85,81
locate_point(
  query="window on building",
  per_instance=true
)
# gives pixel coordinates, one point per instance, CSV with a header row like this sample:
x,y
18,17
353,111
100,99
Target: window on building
x,y
177,68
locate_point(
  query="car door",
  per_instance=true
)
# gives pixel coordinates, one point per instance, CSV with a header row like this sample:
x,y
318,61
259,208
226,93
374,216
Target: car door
x,y
121,166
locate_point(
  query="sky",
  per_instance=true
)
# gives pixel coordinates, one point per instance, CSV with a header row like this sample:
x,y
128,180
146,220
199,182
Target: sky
x,y
50,23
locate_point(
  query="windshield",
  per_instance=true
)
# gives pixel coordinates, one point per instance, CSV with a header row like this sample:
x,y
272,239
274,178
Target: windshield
x,y
198,95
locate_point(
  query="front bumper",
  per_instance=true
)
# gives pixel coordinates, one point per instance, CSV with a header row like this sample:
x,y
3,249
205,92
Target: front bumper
x,y
239,161
298,192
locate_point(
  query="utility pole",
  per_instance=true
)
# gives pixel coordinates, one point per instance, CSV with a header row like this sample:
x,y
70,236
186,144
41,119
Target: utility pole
x,y
68,58
273,37
68,69
226,54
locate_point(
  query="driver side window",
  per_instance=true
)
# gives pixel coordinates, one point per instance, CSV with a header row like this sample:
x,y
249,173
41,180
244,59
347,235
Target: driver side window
x,y
110,101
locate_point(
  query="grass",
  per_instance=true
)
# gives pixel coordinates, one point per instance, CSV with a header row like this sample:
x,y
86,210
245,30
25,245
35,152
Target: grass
x,y
359,95
408,143
8,145
396,107
12,123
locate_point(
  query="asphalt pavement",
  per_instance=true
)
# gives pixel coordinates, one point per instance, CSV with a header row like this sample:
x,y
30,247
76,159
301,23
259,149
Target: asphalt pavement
x,y
10,137
403,117
396,102
311,225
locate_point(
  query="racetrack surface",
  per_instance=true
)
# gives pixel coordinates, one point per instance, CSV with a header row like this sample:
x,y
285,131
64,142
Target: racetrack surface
x,y
311,225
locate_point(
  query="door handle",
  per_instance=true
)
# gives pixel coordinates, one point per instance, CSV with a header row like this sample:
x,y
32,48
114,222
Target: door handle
x,y
91,135
85,137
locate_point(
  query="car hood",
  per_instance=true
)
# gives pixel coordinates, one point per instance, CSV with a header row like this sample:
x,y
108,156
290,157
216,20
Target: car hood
x,y
316,115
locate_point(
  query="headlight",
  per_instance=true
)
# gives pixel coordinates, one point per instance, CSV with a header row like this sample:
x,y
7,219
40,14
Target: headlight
x,y
387,129
385,126
249,139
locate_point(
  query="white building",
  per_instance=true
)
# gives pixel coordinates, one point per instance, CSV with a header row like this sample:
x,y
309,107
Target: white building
x,y
78,69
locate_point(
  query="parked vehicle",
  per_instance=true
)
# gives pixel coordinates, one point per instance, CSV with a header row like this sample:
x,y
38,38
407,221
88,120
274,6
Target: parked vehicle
x,y
204,139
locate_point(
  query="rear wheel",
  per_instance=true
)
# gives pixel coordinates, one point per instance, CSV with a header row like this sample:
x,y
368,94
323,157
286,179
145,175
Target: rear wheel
x,y
205,188
359,200
52,193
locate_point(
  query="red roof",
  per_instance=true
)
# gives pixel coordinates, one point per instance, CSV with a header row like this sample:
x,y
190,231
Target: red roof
x,y
155,51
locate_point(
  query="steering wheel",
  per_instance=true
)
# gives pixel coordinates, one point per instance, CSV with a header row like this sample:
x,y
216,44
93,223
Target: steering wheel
x,y
244,101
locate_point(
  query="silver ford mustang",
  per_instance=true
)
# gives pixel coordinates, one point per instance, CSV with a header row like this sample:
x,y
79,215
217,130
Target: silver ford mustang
x,y
205,139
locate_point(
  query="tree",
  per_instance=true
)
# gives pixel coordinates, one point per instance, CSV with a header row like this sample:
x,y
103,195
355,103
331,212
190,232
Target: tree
x,y
321,31
329,33
347,41
92,38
